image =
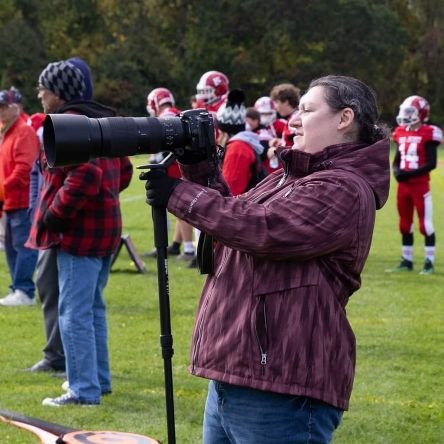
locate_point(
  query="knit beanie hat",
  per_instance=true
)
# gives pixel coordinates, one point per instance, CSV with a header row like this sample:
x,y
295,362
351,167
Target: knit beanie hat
x,y
79,63
231,115
64,80
10,96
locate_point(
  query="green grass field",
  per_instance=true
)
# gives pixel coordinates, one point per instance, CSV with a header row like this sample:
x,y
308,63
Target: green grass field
x,y
398,394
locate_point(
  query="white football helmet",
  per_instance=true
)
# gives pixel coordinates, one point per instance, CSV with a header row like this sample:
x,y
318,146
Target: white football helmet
x,y
156,98
212,86
266,109
413,109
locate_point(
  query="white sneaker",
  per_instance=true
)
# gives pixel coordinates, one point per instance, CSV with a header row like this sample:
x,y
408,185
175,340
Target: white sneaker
x,y
67,399
18,297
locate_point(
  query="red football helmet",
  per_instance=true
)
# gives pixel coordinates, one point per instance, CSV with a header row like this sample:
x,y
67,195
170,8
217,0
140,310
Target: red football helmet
x,y
156,98
267,110
212,86
413,110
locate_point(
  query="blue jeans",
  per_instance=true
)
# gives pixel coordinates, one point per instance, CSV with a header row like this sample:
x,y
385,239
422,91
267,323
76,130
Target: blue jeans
x,y
240,415
83,328
21,260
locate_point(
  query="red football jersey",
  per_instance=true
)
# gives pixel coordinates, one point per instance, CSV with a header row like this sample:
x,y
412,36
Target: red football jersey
x,y
279,126
288,133
170,112
411,145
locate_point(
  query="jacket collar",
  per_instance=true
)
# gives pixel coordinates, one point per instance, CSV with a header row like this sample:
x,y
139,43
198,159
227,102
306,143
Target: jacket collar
x,y
299,162
369,161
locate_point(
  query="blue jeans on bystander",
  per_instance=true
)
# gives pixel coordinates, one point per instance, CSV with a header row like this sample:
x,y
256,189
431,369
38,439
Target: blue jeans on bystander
x,y
83,326
240,415
21,260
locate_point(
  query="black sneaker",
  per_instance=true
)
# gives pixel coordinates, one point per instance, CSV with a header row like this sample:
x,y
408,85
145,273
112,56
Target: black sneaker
x,y
193,263
404,265
187,257
428,267
152,253
44,366
172,250
67,399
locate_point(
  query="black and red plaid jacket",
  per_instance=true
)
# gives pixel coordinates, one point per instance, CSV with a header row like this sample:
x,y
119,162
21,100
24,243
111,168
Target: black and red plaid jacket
x,y
83,202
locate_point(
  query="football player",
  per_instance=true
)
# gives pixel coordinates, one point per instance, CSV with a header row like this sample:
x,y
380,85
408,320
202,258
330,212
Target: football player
x,y
416,155
272,129
212,90
160,103
285,97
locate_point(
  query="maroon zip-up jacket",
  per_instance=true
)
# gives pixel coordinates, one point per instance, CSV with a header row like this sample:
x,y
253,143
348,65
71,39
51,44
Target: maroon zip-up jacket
x,y
288,255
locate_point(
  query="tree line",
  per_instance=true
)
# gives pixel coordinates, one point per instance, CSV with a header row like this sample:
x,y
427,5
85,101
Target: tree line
x,y
396,46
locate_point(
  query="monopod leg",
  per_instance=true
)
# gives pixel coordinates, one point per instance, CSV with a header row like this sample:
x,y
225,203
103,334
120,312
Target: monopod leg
x,y
166,339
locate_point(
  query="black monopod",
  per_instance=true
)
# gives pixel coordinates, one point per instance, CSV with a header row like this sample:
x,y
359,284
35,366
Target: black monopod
x,y
160,226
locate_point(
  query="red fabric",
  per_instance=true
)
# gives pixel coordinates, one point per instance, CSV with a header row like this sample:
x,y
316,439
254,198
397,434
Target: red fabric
x,y
287,132
265,135
36,120
411,147
19,150
170,112
279,126
23,116
86,197
410,196
236,169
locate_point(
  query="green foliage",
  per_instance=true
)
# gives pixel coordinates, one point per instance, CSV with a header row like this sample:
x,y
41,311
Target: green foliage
x,y
397,46
397,319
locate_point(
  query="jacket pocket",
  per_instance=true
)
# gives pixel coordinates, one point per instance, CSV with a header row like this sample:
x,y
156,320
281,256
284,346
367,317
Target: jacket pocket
x,y
283,323
277,276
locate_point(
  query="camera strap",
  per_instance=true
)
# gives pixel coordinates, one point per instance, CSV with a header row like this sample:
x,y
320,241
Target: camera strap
x,y
204,255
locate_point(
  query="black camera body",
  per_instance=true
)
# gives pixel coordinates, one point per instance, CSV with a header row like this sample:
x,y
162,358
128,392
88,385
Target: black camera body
x,y
71,139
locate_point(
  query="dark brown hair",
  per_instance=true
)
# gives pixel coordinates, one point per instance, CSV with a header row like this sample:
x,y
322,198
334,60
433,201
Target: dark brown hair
x,y
348,92
286,92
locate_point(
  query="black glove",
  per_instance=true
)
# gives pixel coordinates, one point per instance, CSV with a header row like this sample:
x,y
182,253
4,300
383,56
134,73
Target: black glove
x,y
401,176
190,157
159,187
52,223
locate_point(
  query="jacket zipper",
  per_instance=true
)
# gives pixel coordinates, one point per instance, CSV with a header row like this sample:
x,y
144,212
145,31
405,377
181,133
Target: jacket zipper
x,y
290,190
263,349
280,183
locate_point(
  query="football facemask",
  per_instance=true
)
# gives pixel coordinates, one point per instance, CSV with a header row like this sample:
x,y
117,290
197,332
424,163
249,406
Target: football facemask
x,y
407,116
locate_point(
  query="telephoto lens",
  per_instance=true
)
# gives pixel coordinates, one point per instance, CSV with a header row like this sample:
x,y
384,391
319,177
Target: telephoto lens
x,y
71,139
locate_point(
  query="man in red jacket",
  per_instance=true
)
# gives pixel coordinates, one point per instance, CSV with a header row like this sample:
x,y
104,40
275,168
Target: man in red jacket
x,y
242,165
79,215
19,149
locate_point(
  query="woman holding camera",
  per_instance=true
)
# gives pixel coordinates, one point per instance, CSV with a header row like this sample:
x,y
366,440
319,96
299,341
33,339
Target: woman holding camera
x,y
271,331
